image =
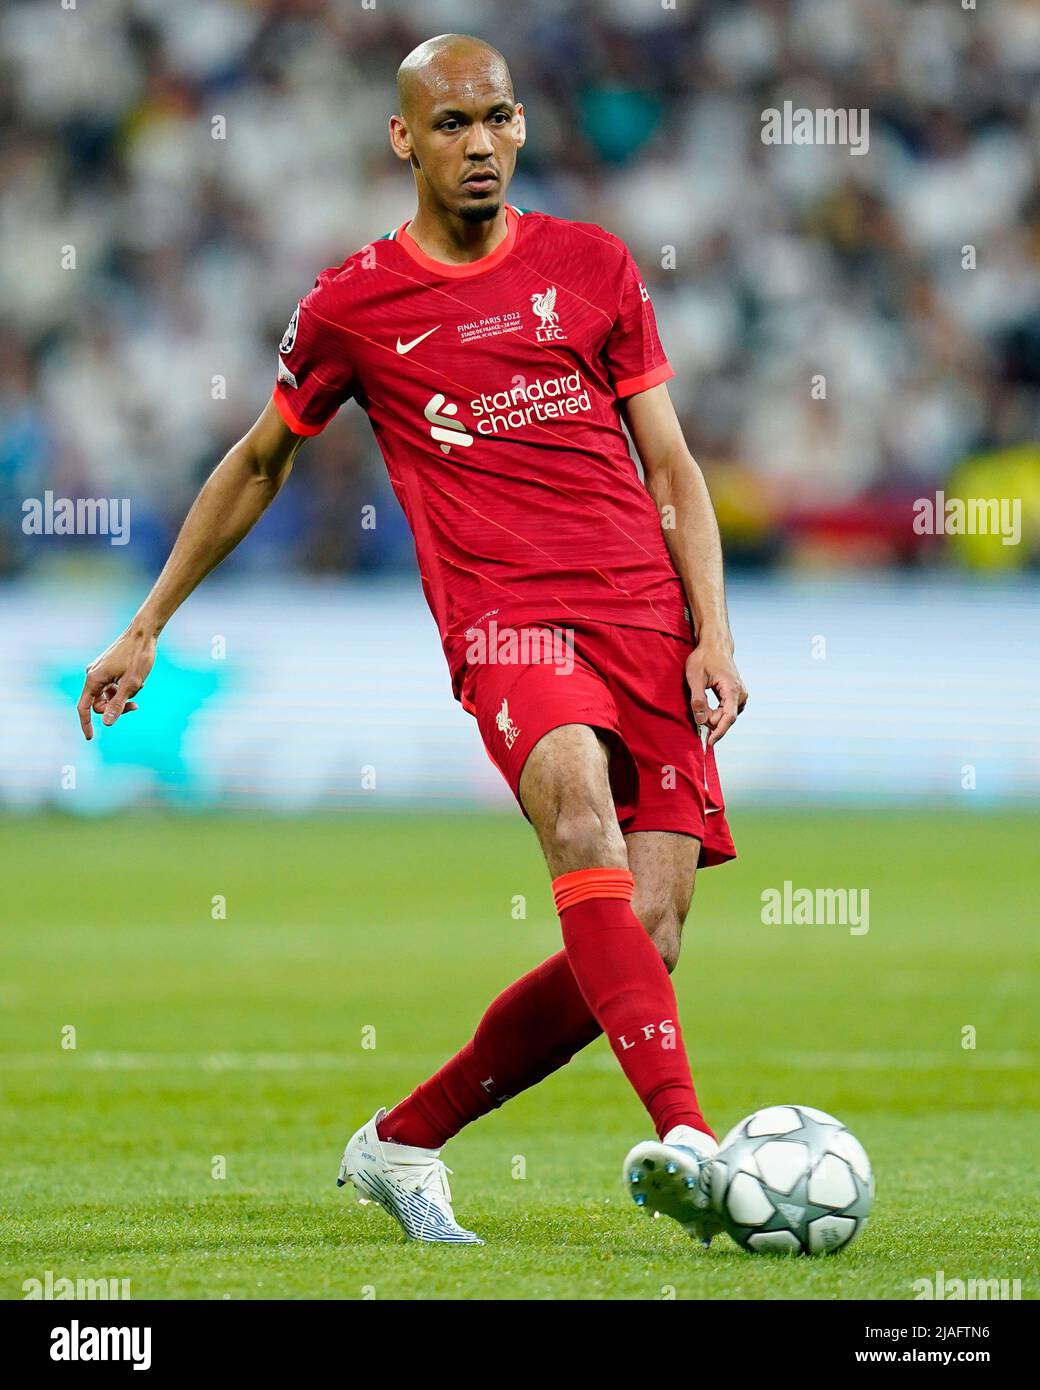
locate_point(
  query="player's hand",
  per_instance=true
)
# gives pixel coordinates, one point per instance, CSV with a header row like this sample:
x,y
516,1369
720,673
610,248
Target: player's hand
x,y
712,668
114,678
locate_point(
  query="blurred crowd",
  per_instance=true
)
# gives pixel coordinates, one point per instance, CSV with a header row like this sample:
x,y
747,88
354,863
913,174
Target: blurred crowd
x,y
849,331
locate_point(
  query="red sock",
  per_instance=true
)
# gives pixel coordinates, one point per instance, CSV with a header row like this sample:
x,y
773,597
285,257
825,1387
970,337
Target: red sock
x,y
531,1030
627,988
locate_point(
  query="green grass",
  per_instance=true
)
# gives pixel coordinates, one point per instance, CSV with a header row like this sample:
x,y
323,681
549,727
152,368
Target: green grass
x,y
244,1038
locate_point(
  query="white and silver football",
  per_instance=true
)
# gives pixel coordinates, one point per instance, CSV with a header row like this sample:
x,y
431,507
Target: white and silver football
x,y
791,1179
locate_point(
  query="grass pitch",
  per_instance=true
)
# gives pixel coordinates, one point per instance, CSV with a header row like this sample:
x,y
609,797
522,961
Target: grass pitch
x,y
356,953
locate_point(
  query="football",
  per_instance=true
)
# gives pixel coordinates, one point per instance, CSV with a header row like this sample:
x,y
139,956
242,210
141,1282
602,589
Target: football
x,y
791,1179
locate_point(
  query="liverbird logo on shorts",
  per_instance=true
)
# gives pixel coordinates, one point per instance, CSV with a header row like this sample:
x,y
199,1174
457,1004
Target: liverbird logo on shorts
x,y
544,305
504,723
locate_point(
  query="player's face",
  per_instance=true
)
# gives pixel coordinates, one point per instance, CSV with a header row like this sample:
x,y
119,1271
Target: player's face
x,y
463,140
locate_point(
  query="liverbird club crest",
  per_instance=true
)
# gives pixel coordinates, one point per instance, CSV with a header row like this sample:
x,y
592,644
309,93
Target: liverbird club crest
x,y
544,305
505,725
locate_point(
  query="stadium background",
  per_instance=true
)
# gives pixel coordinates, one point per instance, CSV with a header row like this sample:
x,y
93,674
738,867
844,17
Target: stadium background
x,y
893,675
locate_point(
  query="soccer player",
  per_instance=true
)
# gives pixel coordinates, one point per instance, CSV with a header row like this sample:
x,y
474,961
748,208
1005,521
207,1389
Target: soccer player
x,y
497,352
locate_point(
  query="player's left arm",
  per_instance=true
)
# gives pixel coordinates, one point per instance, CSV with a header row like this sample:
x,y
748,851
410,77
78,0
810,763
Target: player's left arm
x,y
691,533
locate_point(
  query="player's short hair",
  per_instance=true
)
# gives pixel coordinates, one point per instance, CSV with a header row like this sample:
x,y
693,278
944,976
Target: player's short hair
x,y
411,73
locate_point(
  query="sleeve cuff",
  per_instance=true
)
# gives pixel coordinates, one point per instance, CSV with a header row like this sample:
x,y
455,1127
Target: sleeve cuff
x,y
290,417
632,385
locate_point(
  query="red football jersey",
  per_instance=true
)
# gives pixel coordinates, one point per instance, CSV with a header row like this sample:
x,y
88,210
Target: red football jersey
x,y
493,389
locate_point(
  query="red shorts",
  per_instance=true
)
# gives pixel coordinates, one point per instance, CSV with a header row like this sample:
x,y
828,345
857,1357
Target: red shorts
x,y
629,683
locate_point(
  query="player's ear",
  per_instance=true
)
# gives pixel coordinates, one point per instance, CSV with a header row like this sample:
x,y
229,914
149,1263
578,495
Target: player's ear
x,y
400,140
521,123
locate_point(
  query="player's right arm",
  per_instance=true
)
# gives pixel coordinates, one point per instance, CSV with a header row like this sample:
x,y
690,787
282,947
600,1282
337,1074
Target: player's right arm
x,y
231,502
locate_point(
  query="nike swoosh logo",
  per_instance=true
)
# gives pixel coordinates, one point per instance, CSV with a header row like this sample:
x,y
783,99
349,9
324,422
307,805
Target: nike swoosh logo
x,y
402,348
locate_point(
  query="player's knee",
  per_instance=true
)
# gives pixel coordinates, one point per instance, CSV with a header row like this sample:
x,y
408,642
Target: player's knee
x,y
669,944
583,837
664,927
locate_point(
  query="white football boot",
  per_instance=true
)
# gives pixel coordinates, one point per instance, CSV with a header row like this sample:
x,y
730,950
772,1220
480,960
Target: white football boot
x,y
411,1184
670,1176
